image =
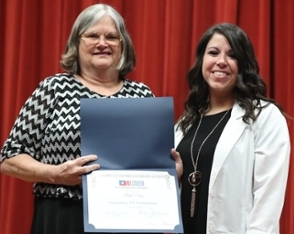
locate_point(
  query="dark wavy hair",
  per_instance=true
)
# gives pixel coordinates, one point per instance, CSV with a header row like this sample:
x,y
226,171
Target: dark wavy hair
x,y
250,88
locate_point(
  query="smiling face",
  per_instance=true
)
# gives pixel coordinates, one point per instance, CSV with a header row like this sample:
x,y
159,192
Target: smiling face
x,y
219,68
99,50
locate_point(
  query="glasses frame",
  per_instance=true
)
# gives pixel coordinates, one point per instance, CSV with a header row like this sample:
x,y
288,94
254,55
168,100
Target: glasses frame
x,y
92,38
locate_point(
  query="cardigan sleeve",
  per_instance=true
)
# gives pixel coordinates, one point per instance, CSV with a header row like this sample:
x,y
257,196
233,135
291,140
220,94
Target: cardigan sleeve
x,y
28,129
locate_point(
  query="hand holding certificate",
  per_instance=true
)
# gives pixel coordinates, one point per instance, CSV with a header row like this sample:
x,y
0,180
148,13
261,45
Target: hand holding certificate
x,y
136,189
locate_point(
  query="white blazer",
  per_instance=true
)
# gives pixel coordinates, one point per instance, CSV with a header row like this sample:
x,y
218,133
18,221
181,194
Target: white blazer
x,y
249,174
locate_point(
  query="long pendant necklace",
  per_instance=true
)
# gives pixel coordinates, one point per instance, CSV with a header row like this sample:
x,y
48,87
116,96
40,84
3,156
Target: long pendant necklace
x,y
195,177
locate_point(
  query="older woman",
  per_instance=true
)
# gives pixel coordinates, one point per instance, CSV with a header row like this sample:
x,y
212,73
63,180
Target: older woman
x,y
44,143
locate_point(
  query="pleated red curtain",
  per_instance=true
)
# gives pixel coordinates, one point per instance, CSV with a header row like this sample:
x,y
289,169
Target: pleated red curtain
x,y
165,33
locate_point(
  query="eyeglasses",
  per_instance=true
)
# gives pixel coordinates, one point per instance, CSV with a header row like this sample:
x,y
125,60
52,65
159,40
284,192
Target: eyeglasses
x,y
94,37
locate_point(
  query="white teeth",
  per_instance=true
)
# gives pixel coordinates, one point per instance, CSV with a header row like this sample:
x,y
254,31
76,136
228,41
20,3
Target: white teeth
x,y
219,73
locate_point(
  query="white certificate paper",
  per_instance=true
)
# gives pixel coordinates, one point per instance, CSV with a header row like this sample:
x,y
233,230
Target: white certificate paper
x,y
136,188
120,199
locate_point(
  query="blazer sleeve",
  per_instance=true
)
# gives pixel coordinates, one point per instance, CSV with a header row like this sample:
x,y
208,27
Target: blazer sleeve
x,y
272,156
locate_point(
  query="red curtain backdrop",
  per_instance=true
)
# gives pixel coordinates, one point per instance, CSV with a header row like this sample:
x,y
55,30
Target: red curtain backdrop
x,y
33,34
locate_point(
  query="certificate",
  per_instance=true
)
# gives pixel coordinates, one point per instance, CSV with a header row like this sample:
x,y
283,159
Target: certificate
x,y
135,200
136,188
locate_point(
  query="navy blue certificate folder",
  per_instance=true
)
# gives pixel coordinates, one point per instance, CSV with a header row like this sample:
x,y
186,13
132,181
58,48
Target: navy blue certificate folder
x,y
128,134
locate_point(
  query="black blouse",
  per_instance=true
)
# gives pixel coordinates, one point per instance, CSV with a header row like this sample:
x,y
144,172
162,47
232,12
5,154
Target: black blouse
x,y
197,224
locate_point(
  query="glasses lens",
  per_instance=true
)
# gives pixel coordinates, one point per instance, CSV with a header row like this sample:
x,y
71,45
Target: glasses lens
x,y
94,38
111,37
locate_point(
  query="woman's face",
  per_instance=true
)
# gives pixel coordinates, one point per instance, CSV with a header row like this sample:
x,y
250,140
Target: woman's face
x,y
100,47
220,68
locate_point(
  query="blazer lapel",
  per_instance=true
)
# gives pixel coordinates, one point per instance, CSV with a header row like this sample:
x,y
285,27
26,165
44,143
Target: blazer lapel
x,y
231,133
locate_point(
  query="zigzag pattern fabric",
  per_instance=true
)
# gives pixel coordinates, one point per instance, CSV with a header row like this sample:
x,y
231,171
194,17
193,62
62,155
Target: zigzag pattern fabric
x,y
48,126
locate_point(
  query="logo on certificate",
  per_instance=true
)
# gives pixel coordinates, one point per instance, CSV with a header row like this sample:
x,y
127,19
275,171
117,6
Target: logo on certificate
x,y
131,182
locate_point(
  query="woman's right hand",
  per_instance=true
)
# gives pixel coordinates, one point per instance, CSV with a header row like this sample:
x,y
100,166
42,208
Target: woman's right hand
x,y
70,172
26,168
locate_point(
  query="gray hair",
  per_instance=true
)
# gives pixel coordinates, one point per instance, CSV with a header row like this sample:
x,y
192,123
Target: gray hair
x,y
87,18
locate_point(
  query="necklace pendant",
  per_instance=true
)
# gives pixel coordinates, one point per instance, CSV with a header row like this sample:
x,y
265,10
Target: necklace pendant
x,y
193,200
192,179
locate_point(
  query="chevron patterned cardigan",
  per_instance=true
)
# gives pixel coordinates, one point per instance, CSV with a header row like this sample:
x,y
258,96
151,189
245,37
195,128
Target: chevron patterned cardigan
x,y
48,126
